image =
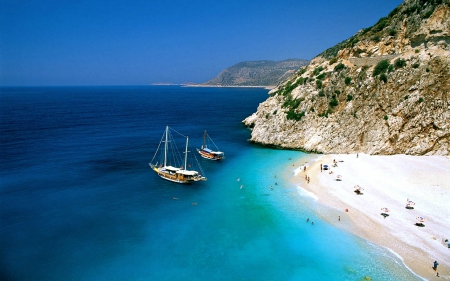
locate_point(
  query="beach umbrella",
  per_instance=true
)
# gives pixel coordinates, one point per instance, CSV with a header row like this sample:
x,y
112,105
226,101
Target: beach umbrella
x,y
339,177
409,202
358,190
385,212
420,219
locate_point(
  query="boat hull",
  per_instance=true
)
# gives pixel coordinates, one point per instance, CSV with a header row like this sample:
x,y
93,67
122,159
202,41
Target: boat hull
x,y
209,156
176,178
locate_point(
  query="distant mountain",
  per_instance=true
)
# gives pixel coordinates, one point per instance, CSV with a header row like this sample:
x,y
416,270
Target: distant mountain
x,y
257,73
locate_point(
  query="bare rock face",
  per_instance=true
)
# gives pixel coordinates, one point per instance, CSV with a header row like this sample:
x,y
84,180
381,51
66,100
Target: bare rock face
x,y
386,90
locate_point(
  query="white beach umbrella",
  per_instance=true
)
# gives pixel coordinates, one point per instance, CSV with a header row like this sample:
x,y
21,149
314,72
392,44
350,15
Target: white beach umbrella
x,y
409,202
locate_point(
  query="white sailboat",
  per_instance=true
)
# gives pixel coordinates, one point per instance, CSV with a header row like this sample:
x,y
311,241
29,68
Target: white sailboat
x,y
208,153
179,172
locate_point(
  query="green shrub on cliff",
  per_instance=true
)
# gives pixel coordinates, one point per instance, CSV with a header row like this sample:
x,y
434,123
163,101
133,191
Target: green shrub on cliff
x,y
380,24
301,71
334,102
317,70
390,68
347,80
289,87
292,103
400,63
381,67
321,76
339,67
319,84
292,115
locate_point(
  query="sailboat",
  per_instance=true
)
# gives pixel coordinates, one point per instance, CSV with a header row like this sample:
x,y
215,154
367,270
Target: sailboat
x,y
178,173
206,152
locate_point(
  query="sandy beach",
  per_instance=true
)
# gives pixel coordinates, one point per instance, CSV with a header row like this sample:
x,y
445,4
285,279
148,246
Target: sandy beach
x,y
387,182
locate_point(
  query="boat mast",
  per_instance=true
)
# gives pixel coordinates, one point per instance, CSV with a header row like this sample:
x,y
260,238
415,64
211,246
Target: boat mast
x,y
165,147
204,140
185,153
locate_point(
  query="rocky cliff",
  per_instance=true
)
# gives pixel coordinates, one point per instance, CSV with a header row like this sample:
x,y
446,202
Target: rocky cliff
x,y
257,73
385,90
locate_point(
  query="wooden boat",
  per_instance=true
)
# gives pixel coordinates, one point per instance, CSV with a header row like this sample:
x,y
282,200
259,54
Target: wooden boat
x,y
208,153
173,173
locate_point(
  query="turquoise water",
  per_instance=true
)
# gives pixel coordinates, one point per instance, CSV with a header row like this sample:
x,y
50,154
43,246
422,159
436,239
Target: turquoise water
x,y
79,202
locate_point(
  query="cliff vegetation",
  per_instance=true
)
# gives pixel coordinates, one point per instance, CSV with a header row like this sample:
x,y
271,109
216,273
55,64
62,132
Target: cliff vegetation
x,y
384,90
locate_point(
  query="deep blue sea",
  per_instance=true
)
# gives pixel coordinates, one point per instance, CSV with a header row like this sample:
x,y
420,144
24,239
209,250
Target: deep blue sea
x,y
78,200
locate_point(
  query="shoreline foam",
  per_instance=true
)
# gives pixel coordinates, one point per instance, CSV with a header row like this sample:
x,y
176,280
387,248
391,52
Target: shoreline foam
x,y
388,181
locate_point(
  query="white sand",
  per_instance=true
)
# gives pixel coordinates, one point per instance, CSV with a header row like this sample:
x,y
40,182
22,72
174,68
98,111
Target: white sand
x,y
388,181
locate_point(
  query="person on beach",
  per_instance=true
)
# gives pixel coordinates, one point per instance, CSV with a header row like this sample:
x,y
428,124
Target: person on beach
x,y
339,219
304,169
356,155
435,265
321,167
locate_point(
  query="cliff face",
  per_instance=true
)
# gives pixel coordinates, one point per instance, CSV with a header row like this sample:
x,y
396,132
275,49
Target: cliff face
x,y
385,90
257,73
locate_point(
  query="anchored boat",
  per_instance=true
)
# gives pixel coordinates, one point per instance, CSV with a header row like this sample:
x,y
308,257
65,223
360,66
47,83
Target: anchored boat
x,y
208,153
171,166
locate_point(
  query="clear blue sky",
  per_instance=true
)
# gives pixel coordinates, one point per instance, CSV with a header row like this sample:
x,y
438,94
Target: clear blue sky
x,y
135,42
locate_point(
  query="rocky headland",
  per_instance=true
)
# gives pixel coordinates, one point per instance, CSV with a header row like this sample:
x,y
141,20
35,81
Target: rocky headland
x,y
264,73
384,91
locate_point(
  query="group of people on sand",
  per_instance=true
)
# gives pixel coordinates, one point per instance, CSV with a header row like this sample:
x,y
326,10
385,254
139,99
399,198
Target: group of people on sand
x,y
307,178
